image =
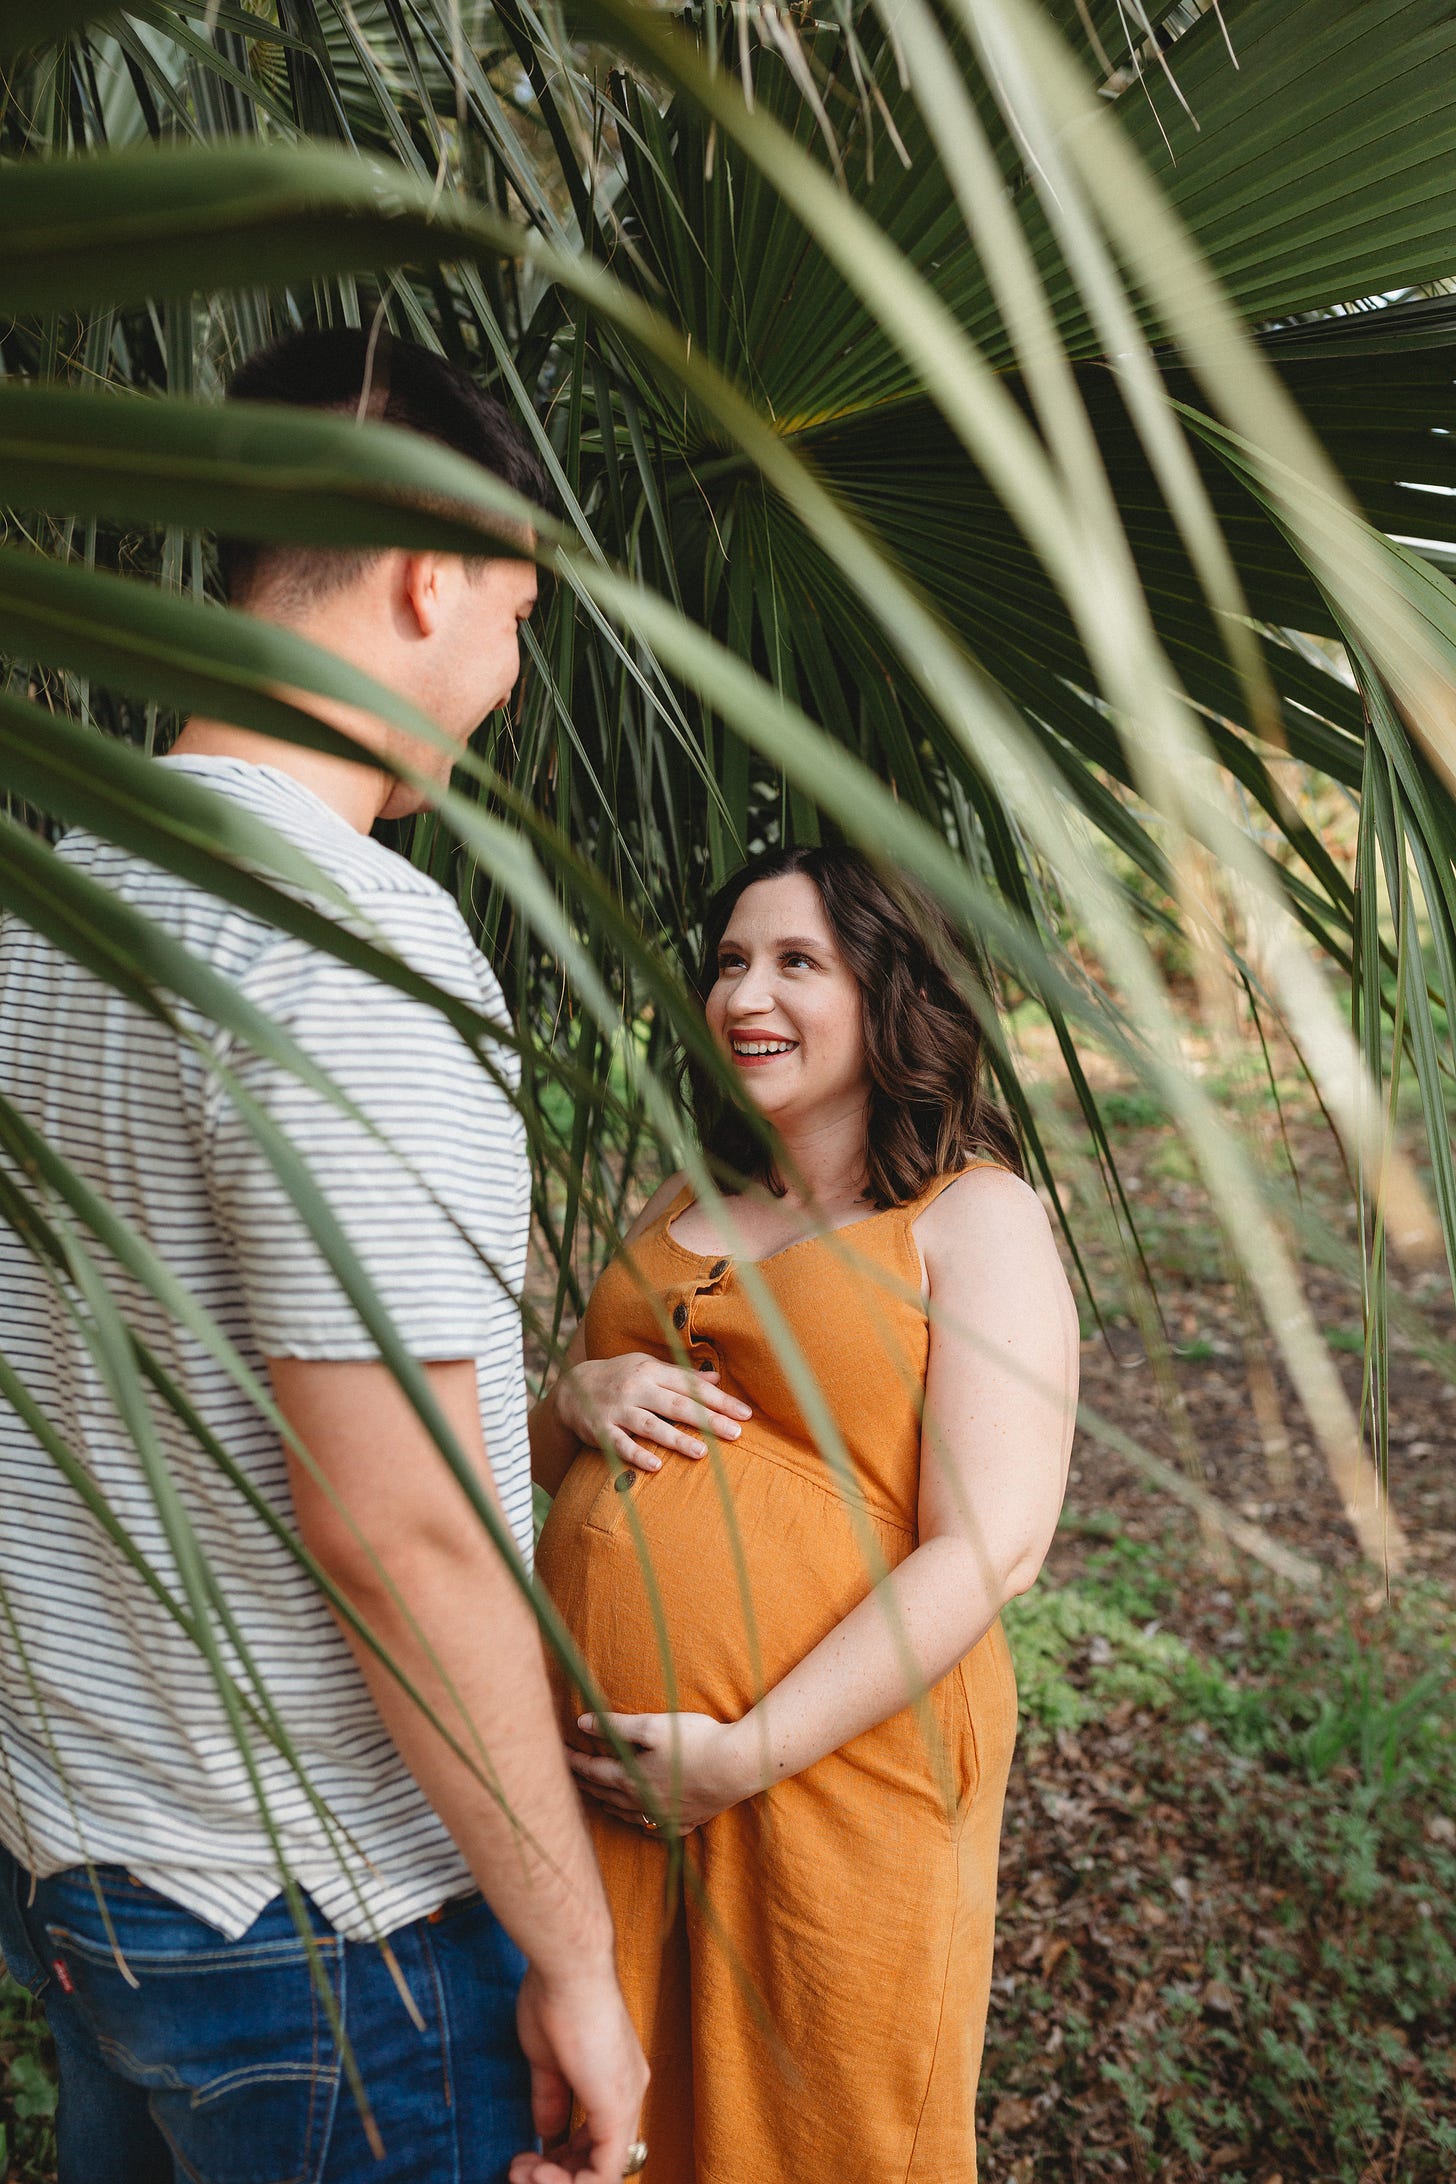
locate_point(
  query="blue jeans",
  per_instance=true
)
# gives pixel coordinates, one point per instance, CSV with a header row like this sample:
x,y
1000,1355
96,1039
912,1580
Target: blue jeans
x,y
216,2062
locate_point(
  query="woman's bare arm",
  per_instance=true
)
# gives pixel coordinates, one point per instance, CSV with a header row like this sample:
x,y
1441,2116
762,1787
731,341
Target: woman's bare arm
x,y
1000,1404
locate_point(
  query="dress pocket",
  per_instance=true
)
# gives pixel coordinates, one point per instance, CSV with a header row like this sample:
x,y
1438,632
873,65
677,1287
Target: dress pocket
x,y
608,1512
600,1501
230,2040
987,1681
957,1764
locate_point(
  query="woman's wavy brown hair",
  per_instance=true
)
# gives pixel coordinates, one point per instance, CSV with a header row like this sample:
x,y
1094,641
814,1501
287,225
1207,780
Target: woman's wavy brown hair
x,y
929,1109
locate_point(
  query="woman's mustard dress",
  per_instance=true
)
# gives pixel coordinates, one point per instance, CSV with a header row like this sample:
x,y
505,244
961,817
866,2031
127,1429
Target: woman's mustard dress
x,y
810,1978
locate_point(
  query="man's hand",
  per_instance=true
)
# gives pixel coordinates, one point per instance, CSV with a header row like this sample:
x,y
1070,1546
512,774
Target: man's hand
x,y
580,2044
692,1768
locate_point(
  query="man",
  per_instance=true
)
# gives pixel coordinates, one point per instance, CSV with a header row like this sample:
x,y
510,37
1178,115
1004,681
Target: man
x,y
150,1799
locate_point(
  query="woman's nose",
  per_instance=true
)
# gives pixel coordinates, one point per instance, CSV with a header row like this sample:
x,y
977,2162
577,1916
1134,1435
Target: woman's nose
x,y
751,996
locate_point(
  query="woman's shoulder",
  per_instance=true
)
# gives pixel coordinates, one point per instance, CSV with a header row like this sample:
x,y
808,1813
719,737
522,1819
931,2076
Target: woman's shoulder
x,y
990,1250
983,1204
663,1198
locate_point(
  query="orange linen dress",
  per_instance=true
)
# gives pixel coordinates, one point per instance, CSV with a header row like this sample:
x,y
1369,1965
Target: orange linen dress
x,y
810,1977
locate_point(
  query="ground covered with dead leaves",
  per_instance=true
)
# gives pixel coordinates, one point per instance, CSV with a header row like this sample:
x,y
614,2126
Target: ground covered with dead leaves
x,y
1227,1940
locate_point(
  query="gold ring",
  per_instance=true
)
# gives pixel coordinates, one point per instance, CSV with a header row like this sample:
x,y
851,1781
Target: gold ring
x,y
651,1826
636,2158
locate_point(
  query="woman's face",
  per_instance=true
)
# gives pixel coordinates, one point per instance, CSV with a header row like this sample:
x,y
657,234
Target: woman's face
x,y
785,1006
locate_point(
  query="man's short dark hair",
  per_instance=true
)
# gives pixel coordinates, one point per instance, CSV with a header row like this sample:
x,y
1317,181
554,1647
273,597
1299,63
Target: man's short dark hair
x,y
328,368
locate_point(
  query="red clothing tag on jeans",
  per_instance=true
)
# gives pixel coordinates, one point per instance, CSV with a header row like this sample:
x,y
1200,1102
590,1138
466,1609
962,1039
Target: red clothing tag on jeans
x,y
58,1966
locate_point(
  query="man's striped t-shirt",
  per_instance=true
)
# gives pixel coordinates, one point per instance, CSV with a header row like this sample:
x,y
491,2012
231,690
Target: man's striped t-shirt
x,y
115,1744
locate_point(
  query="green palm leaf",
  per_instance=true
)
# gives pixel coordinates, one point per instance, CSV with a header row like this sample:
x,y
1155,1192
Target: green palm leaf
x,y
912,489
31,23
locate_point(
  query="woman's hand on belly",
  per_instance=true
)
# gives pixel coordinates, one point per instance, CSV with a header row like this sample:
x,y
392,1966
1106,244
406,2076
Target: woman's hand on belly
x,y
618,1403
691,1768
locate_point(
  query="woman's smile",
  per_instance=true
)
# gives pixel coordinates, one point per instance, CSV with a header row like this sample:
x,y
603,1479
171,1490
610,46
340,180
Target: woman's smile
x,y
752,1050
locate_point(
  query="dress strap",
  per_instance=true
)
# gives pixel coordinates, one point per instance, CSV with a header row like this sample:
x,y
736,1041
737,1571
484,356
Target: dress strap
x,y
679,1202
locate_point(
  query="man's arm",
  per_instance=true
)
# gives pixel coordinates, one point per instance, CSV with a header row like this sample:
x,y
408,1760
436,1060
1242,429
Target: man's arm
x,y
396,1523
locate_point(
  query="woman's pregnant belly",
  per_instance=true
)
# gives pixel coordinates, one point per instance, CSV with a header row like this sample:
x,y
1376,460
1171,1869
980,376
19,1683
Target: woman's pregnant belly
x,y
697,1587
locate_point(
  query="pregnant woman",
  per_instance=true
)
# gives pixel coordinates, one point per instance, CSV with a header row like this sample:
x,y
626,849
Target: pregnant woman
x,y
786,1575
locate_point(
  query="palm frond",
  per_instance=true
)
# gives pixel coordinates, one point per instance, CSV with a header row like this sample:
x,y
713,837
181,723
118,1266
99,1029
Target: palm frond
x,y
838,529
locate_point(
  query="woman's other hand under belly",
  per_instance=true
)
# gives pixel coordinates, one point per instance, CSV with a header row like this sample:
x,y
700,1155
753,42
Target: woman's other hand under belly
x,y
687,1768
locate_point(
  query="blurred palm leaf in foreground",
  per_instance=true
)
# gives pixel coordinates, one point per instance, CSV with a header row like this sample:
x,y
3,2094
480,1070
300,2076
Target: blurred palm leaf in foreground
x,y
916,479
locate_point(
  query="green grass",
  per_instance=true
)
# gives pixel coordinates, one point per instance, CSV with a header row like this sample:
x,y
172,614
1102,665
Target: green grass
x,y
1258,1971
1105,1627
1132,1110
27,2088
1311,1700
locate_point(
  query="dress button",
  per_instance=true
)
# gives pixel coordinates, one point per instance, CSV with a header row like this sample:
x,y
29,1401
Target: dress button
x,y
626,1481
680,1317
707,1364
720,1269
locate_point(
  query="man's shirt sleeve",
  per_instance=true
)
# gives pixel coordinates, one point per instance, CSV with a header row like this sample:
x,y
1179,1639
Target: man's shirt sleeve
x,y
429,1188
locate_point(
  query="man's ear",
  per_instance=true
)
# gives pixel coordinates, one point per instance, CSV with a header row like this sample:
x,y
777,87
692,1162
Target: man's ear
x,y
422,589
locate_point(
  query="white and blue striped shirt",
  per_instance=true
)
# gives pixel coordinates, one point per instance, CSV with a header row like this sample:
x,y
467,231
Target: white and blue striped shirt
x,y
115,1745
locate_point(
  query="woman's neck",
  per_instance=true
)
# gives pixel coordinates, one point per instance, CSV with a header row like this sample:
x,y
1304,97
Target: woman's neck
x,y
823,1162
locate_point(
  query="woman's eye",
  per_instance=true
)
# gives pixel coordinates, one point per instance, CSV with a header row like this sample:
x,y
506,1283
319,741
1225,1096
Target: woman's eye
x,y
797,955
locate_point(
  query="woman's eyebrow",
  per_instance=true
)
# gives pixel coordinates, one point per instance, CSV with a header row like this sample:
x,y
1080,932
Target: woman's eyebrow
x,y
793,940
